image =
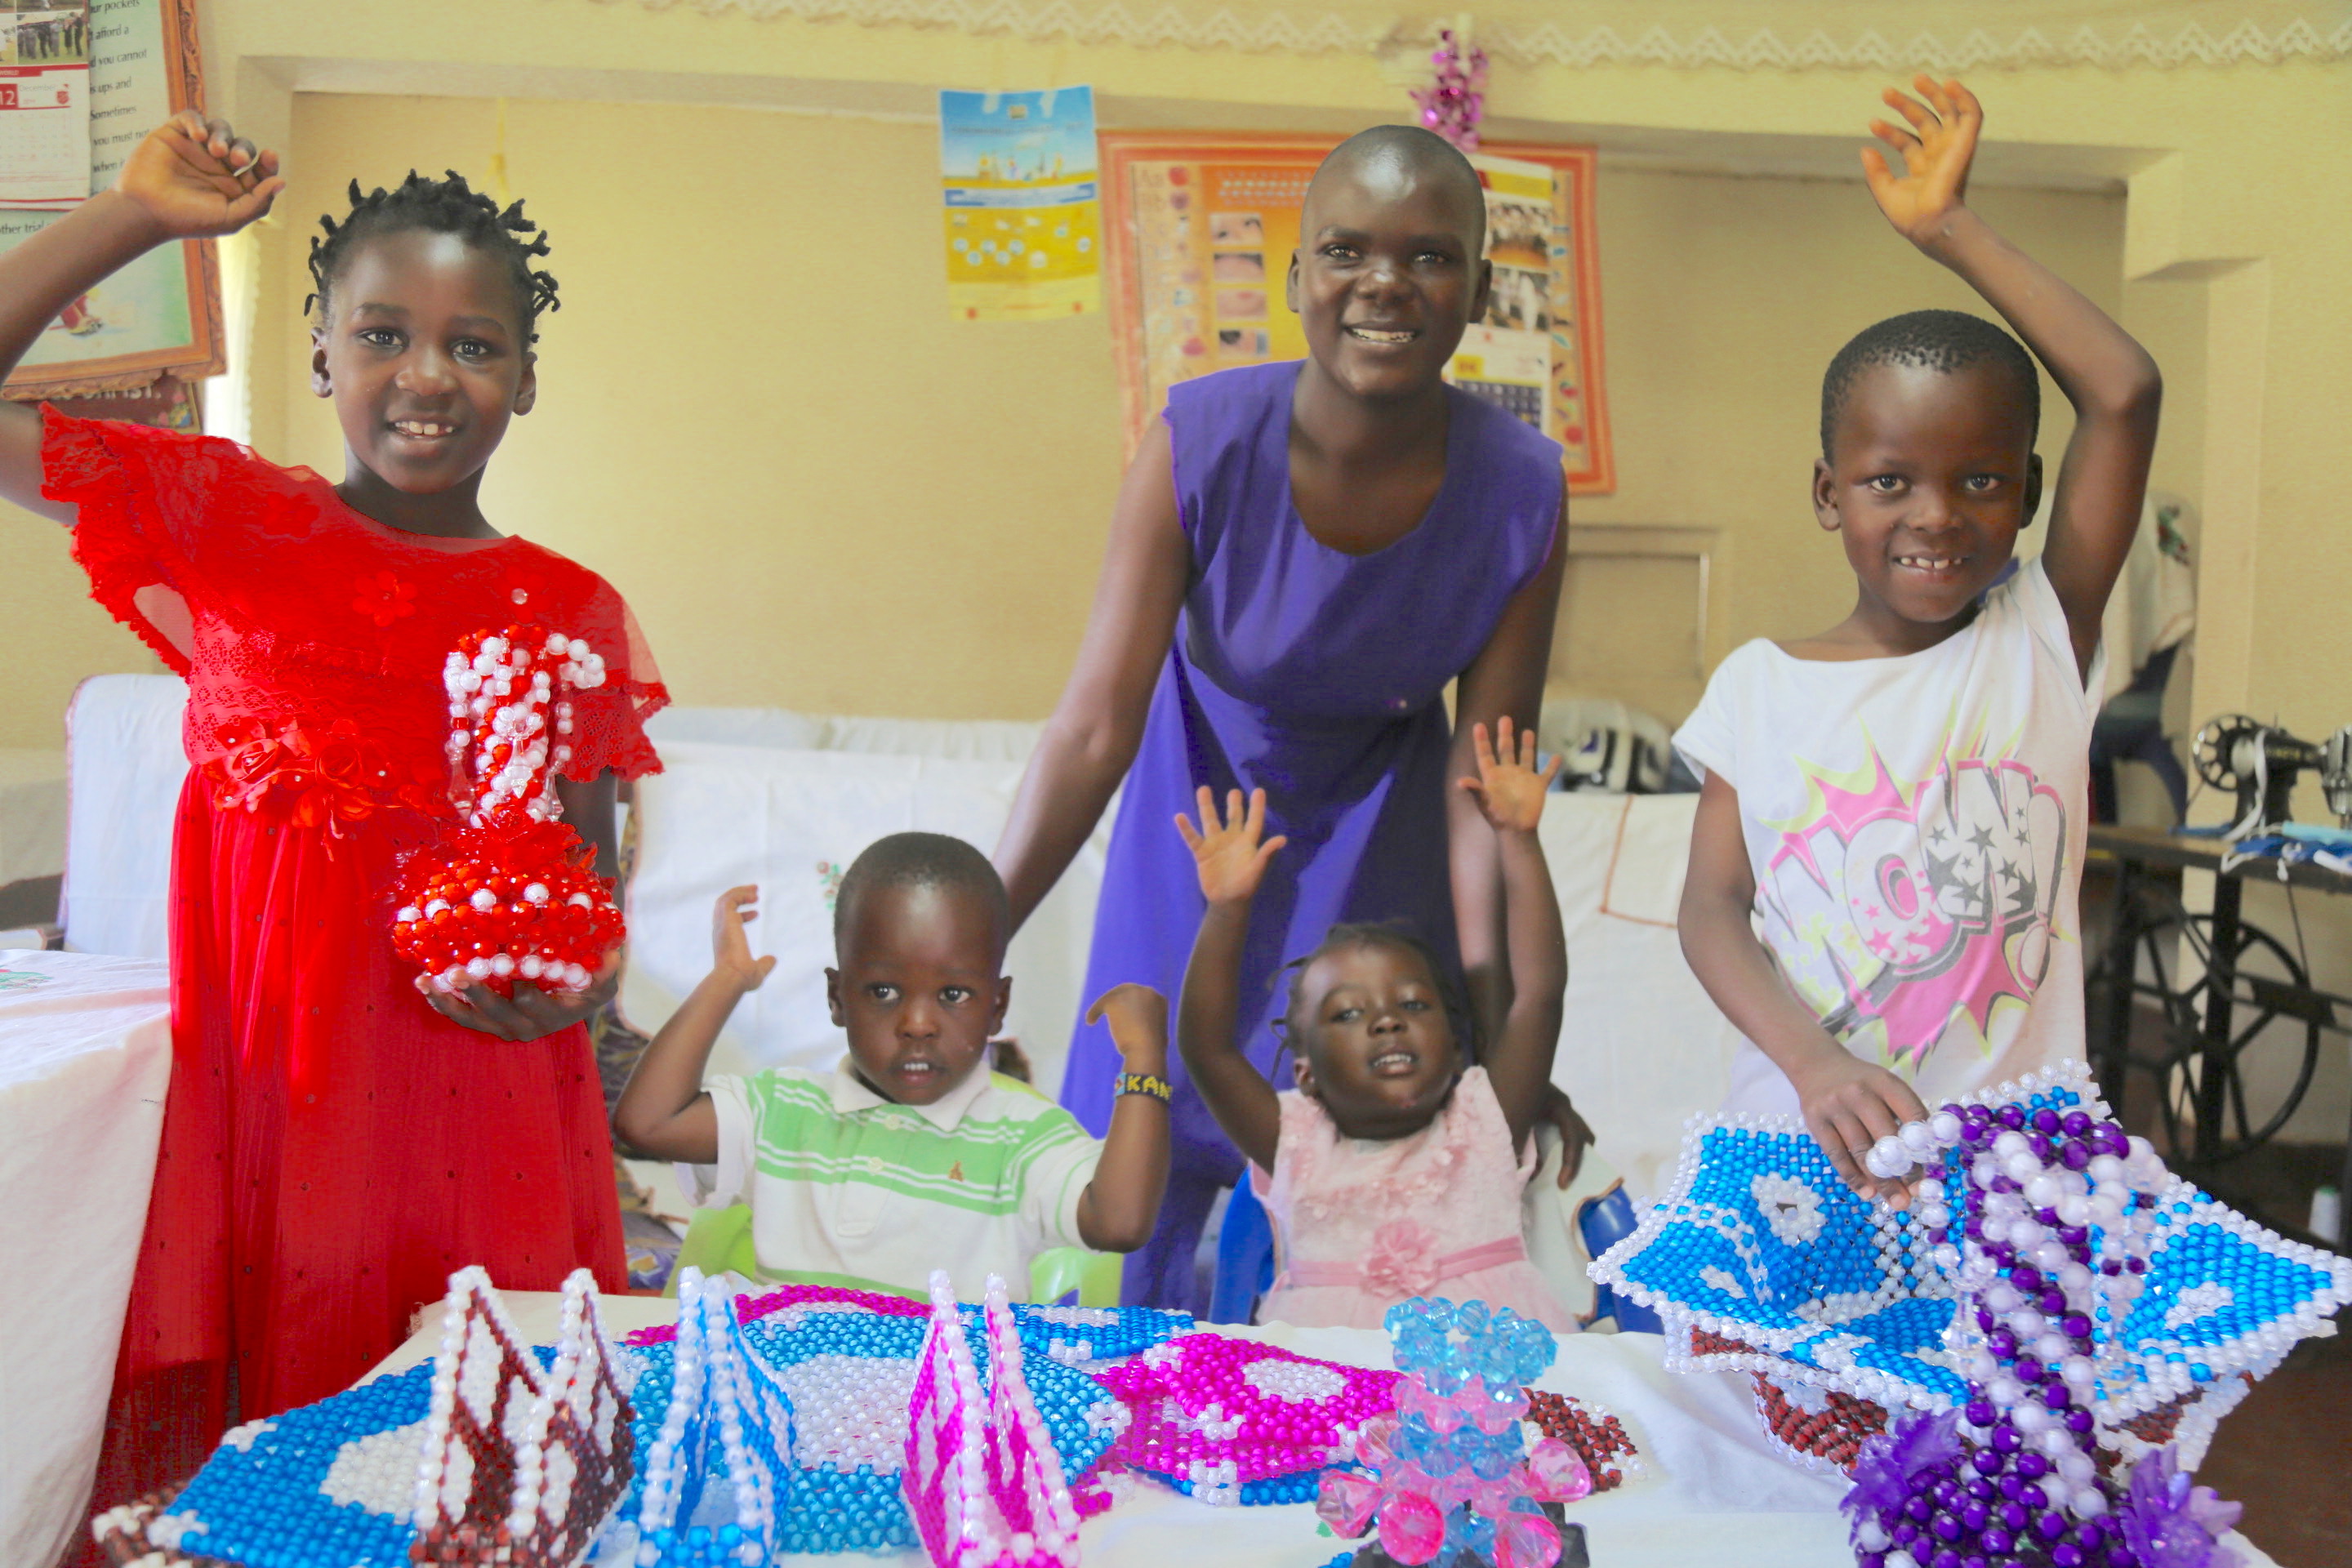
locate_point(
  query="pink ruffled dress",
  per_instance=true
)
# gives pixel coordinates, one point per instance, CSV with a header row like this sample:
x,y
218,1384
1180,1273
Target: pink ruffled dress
x,y
1360,1226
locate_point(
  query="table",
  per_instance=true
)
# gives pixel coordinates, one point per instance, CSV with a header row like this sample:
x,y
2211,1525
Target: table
x,y
1713,1491
2134,851
85,1052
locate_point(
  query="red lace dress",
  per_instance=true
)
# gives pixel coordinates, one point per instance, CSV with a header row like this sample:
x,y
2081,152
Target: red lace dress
x,y
332,1148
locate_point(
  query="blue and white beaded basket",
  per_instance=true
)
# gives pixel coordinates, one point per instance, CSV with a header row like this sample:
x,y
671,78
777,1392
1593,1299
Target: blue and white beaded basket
x,y
330,1485
1761,1259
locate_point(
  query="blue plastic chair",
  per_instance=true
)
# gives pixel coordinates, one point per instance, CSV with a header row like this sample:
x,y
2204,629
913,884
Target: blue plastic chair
x,y
1246,1258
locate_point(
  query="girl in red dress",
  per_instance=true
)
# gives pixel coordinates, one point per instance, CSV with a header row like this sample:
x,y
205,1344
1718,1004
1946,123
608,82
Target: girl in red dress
x,y
334,1142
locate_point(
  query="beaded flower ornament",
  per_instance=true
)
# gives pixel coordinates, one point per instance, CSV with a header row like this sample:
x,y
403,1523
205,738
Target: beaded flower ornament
x,y
1452,1476
2053,1276
982,1476
1455,98
514,894
728,1423
519,1465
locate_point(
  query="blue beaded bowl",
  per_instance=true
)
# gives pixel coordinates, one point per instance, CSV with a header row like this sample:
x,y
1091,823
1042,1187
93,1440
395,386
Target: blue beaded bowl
x,y
281,1493
1761,1259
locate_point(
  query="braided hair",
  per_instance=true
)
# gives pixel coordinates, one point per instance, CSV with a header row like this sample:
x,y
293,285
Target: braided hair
x,y
1288,1030
437,206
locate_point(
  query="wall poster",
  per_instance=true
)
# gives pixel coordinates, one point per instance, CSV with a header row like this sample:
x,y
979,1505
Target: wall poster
x,y
161,313
1199,230
1023,212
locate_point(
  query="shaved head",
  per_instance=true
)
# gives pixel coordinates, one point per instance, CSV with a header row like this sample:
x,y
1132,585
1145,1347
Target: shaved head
x,y
1400,158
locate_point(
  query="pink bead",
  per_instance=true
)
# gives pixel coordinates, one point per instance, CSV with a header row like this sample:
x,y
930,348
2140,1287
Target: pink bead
x,y
1557,1473
1526,1541
1412,1529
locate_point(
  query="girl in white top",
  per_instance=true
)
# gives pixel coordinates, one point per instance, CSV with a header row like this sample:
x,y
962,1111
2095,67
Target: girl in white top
x,y
1883,869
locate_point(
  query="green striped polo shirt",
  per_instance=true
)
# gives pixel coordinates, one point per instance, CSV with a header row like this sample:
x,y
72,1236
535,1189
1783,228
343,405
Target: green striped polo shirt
x,y
848,1188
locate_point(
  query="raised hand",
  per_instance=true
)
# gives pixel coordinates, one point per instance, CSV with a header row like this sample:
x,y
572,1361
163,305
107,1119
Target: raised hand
x,y
197,177
1510,791
730,949
1936,152
1139,1025
1226,851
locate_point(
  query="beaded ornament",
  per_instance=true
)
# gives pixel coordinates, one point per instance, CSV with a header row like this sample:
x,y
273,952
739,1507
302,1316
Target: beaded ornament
x,y
2054,1293
728,1424
1232,1421
1452,1478
517,1462
514,894
982,1476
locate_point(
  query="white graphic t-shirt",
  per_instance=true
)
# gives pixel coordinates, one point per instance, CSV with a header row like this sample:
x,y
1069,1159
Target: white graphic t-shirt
x,y
1916,827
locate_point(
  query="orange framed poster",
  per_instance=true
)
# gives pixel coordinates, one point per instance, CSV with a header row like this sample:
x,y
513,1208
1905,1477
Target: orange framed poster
x,y
1198,231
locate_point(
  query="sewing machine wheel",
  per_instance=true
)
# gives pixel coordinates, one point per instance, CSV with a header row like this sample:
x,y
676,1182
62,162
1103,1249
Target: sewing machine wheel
x,y
2215,751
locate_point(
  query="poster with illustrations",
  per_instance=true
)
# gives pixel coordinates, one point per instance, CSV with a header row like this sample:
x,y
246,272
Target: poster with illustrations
x,y
1198,237
44,105
1023,206
161,312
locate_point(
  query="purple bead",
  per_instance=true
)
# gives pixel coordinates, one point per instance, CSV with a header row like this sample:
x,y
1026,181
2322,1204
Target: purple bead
x,y
1974,1516
1975,1560
1946,1558
2046,1219
2074,1234
1989,1461
2026,1278
2013,1516
2030,1494
2003,1184
2006,1440
2032,1466
2052,1302
1979,1413
1918,1508
2011,1116
2122,1556
1945,1528
2001,1344
1996,1540
2090,1532
1980,1489
2075,1326
2045,1120
1946,1494
2050,1526
1973,1228
2137,1265
2075,1157
2075,1123
2028,1369
1937,1236
2054,1395
2066,1554
2111,1267
1905,1533
2040,1146
2079,1422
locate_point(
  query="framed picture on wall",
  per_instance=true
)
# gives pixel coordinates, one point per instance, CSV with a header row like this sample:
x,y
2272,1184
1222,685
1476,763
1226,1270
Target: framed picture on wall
x,y
161,315
1198,230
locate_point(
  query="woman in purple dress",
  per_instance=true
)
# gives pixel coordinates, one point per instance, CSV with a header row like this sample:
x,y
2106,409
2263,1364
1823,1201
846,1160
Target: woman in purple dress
x,y
1303,556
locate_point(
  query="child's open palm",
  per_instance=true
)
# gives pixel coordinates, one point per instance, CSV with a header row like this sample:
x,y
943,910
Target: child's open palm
x,y
1509,789
1226,851
730,947
198,177
1937,152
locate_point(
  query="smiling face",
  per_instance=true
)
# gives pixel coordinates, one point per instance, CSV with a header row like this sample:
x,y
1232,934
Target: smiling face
x,y
918,987
1387,273
1930,476
1377,1047
425,351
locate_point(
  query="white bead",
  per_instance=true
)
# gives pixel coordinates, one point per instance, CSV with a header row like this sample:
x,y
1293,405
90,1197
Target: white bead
x,y
484,899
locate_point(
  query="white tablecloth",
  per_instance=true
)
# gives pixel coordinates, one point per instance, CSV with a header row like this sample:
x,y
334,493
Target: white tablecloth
x,y
1712,1492
32,814
85,1052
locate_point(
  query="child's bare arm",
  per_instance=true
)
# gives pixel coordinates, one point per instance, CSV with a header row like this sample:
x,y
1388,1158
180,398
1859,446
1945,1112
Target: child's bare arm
x,y
664,1110
1232,862
191,178
2110,381
1510,794
1120,1207
1848,1103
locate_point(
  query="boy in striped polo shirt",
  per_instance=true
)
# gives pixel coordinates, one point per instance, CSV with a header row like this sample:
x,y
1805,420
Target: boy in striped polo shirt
x,y
909,1156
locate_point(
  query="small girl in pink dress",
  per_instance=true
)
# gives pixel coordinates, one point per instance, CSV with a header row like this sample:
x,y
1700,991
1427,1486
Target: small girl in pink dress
x,y
1396,1170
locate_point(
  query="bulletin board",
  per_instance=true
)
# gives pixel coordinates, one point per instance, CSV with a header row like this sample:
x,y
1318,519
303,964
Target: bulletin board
x,y
1198,230
161,313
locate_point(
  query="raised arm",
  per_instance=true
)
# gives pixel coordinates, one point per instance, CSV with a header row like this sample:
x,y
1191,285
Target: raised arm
x,y
2114,385
191,178
1509,794
664,1111
1848,1103
1506,678
1232,863
1096,728
1120,1207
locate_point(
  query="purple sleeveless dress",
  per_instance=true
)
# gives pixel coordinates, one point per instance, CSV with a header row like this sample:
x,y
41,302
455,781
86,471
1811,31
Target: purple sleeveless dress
x,y
1318,677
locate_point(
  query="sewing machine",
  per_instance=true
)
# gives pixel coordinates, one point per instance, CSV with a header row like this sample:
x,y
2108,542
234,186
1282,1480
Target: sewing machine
x,y
2259,764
